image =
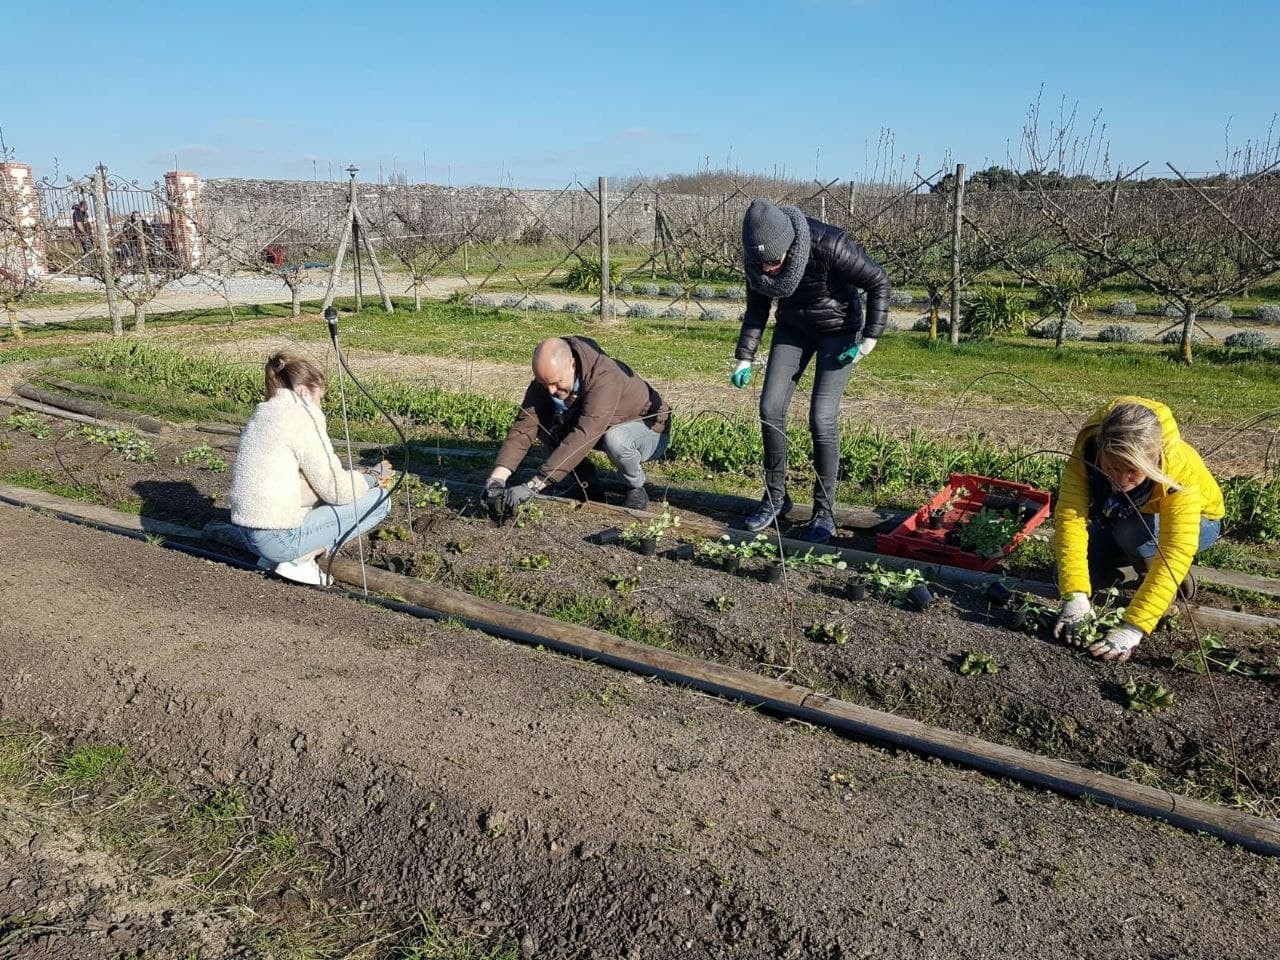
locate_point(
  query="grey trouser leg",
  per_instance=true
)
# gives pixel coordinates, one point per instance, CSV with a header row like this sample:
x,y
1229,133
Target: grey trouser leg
x,y
630,444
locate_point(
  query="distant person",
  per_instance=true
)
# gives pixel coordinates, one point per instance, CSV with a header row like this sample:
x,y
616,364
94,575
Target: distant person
x,y
818,276
81,229
291,497
1134,492
580,400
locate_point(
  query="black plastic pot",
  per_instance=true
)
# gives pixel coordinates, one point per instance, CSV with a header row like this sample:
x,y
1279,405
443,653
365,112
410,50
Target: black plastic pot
x,y
998,593
936,519
648,547
773,573
1019,621
730,563
919,597
856,590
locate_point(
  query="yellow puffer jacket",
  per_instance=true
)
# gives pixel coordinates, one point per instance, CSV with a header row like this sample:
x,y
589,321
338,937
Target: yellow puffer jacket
x,y
1198,495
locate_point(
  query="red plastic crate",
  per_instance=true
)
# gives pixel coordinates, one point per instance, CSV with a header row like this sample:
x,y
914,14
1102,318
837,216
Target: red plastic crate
x,y
914,539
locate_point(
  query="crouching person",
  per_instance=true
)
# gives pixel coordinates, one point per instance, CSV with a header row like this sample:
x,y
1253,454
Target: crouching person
x,y
291,498
1133,493
580,400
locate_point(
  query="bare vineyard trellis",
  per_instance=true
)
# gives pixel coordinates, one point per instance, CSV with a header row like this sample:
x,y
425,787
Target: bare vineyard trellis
x,y
1060,228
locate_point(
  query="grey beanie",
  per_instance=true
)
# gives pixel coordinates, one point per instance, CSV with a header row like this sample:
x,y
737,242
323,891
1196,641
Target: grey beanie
x,y
767,232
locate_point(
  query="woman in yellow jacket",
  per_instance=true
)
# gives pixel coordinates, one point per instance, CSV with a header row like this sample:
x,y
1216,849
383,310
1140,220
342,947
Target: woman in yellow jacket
x,y
1133,492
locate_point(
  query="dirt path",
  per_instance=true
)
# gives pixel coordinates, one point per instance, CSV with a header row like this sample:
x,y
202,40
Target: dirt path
x,y
598,815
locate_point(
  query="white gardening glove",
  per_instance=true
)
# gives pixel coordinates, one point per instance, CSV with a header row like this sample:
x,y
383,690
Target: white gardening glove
x,y
1118,644
1074,609
857,351
868,344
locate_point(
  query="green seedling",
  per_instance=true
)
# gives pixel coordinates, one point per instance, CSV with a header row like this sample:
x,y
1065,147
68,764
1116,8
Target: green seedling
x,y
893,585
204,457
988,532
529,515
29,424
393,532
87,765
623,585
655,529
809,558
721,604
434,494
1102,618
975,664
1145,696
1202,658
836,633
534,561
126,443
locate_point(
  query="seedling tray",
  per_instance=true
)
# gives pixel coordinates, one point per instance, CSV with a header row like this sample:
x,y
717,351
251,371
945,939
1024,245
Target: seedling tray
x,y
915,540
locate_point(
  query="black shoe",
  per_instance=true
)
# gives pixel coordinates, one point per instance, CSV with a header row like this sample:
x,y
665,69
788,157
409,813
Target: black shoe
x,y
766,513
637,498
1188,587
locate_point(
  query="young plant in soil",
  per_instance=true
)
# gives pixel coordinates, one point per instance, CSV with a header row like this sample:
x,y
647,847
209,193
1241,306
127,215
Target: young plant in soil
x,y
29,424
1147,697
128,444
809,558
976,663
892,585
528,515
434,494
836,633
534,561
645,536
393,532
204,457
1211,653
623,586
1102,618
721,604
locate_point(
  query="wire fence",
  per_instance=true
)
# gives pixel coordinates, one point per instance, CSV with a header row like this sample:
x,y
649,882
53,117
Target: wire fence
x,y
638,247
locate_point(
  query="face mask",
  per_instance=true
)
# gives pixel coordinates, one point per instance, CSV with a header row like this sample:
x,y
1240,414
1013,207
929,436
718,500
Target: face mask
x,y
560,404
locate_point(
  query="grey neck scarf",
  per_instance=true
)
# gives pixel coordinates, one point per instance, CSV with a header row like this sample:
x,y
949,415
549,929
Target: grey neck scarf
x,y
784,283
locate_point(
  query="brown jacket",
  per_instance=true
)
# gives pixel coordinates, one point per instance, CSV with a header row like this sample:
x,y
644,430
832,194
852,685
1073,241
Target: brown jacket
x,y
609,393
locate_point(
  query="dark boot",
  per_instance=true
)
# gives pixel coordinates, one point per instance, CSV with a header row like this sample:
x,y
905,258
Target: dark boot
x,y
637,498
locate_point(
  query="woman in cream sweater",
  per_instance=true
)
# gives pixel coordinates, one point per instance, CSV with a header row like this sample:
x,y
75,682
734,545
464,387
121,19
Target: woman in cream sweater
x,y
290,495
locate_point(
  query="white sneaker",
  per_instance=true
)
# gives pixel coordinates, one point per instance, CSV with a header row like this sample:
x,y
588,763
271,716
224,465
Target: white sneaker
x,y
305,570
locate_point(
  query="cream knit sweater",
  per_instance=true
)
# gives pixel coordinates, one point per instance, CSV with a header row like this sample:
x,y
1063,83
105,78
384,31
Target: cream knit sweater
x,y
286,464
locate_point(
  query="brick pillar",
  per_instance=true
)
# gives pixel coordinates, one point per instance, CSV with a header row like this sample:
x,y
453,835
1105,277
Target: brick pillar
x,y
18,194
182,191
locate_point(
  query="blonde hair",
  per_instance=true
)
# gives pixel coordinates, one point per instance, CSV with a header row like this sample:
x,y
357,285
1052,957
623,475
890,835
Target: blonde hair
x,y
1130,434
284,371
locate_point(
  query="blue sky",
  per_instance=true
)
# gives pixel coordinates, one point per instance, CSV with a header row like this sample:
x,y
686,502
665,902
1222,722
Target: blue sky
x,y
540,93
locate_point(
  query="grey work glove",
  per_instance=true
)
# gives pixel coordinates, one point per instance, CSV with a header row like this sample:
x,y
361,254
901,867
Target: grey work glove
x,y
512,497
492,498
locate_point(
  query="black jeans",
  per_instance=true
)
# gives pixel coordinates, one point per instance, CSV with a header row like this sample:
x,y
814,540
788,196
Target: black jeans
x,y
788,357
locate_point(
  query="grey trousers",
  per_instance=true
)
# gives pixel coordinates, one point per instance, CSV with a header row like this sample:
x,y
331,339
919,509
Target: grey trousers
x,y
628,445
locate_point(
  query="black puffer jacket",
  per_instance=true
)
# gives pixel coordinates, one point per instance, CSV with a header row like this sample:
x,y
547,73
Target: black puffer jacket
x,y
828,299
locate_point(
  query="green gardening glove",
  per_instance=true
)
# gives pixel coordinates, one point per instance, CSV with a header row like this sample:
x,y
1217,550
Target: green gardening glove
x,y
742,376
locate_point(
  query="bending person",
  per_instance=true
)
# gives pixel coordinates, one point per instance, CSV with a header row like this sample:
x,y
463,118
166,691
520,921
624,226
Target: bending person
x,y
580,400
1134,492
291,498
818,275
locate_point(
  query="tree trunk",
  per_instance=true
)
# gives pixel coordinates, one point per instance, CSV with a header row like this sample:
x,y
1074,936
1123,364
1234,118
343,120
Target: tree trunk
x,y
417,296
13,321
295,294
1062,328
1188,330
933,317
139,316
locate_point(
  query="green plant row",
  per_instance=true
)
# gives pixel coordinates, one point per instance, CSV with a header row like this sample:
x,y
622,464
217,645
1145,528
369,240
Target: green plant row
x,y
869,456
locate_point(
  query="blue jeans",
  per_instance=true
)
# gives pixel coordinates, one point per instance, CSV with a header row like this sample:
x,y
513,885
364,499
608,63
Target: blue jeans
x,y
788,357
1133,539
327,525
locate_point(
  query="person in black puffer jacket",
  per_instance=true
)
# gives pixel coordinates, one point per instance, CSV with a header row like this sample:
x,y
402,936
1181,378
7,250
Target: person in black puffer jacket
x,y
818,276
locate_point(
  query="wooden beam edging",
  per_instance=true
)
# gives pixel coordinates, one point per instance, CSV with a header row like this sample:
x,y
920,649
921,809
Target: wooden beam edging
x,y
91,409
1253,833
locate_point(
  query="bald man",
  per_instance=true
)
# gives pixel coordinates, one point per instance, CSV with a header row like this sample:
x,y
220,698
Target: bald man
x,y
580,400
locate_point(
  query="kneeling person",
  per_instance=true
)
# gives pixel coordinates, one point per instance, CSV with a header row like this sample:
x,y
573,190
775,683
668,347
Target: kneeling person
x,y
291,498
581,399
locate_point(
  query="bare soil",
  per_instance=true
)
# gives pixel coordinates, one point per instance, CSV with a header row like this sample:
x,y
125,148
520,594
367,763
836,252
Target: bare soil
x,y
584,813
